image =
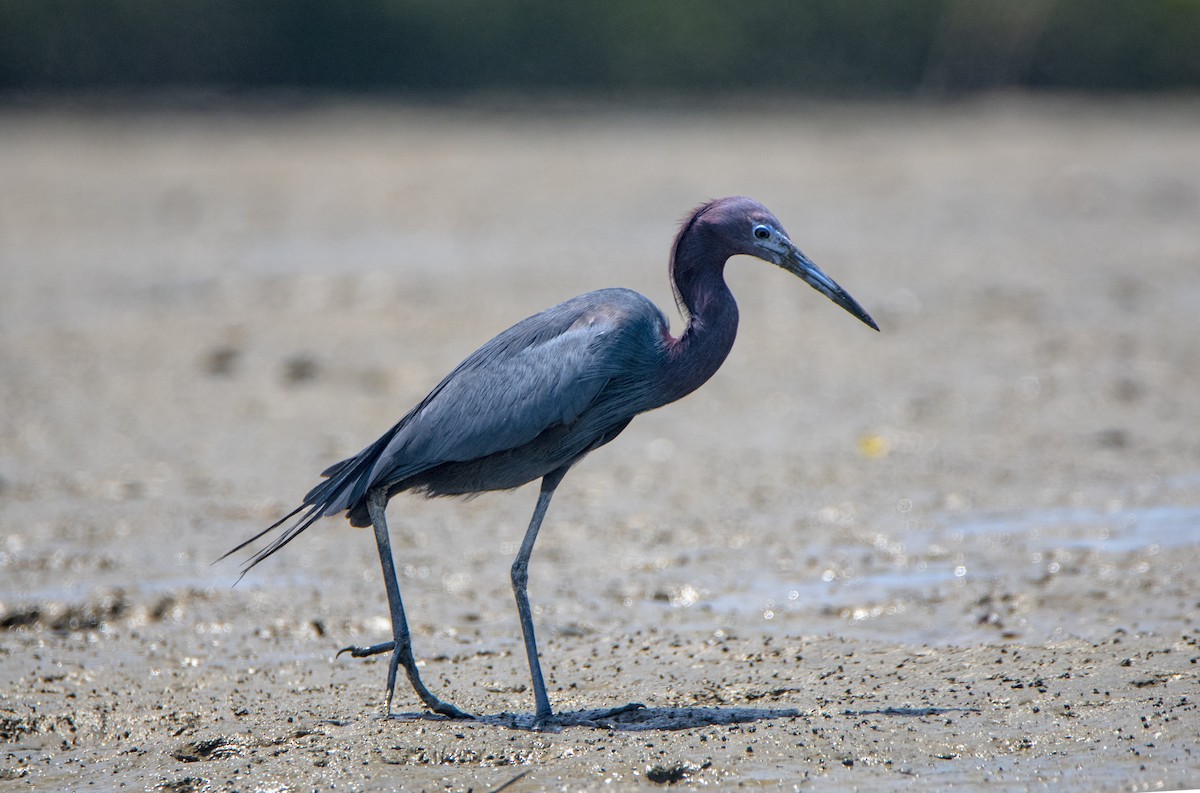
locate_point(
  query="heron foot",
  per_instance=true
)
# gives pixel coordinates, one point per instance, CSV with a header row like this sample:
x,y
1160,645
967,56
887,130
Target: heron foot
x,y
432,702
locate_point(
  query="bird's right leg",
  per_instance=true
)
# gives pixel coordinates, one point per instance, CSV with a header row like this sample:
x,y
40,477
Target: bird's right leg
x,y
401,644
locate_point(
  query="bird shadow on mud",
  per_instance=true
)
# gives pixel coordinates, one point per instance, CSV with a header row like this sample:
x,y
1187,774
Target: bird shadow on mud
x,y
639,719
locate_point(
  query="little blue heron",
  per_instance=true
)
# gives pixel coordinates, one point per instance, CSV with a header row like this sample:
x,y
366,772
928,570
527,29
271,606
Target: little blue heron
x,y
534,400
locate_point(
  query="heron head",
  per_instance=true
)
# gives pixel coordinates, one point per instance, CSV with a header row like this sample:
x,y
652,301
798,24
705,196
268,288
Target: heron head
x,y
750,228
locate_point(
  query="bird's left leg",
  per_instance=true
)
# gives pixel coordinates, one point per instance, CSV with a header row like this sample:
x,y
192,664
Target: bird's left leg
x,y
520,582
401,644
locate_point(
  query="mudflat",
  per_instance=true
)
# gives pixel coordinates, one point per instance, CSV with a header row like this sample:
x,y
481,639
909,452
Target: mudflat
x,y
963,551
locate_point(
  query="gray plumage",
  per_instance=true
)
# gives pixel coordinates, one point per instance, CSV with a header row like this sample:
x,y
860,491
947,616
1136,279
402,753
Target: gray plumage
x,y
538,397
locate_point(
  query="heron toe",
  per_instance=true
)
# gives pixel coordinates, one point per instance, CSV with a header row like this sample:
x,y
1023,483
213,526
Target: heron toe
x,y
363,652
584,718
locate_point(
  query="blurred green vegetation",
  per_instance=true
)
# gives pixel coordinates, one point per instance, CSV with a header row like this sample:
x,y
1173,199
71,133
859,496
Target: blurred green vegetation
x,y
443,47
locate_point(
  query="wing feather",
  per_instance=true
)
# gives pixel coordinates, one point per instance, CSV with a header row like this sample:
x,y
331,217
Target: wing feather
x,y
544,371
503,398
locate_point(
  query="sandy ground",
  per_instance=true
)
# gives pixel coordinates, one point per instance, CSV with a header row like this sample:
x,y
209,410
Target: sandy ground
x,y
960,553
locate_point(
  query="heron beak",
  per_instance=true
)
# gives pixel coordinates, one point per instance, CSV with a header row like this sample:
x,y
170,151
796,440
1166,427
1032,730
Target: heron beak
x,y
795,262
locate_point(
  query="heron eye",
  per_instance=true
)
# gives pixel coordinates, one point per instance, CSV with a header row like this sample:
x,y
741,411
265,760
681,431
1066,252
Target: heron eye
x,y
762,232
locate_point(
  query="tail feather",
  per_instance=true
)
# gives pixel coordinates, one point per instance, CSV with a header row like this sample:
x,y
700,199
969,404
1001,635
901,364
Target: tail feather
x,y
346,484
338,467
261,534
311,516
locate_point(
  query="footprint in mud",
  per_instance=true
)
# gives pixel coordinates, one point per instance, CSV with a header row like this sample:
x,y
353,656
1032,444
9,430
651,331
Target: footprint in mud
x,y
68,617
677,772
210,749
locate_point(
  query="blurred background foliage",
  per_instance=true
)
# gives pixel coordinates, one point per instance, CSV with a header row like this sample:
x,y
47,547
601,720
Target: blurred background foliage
x,y
616,47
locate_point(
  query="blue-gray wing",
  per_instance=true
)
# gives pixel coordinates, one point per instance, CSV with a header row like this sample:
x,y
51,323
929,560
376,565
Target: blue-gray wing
x,y
544,371
547,370
505,399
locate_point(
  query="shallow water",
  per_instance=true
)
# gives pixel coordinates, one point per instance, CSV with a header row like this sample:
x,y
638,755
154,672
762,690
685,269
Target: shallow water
x,y
883,600
1114,531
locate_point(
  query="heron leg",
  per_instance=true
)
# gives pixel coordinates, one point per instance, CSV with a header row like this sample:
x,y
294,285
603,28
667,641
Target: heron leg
x,y
520,582
401,644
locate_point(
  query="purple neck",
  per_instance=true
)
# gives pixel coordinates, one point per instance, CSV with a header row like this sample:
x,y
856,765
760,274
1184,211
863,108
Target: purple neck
x,y
712,320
